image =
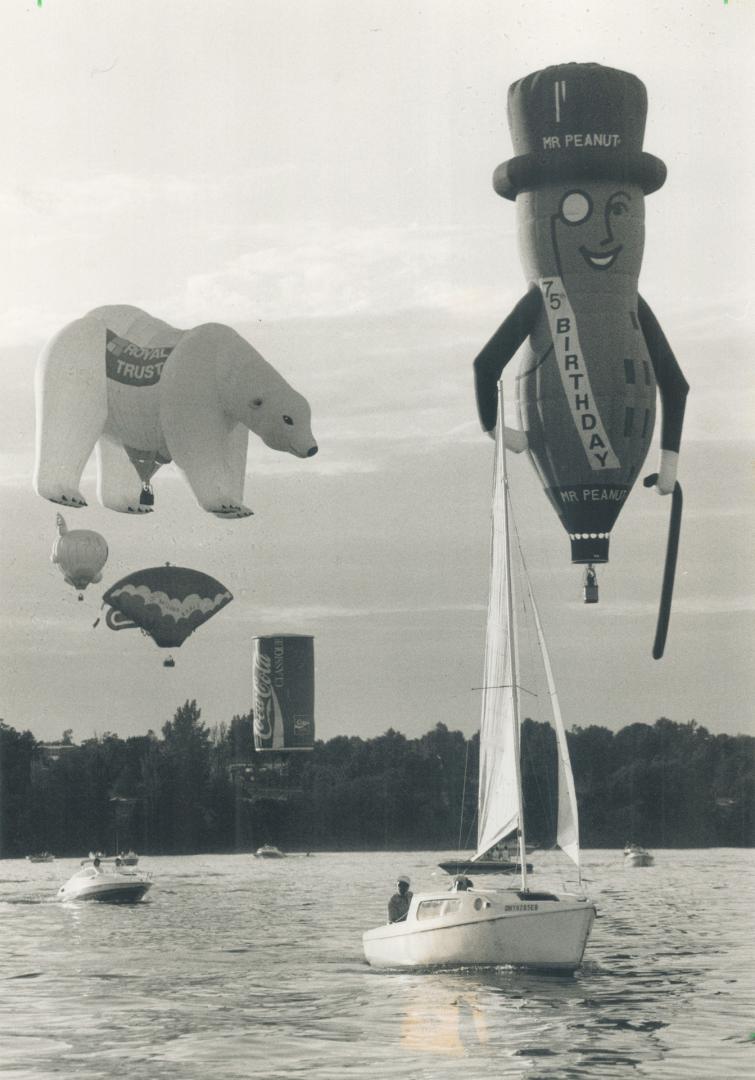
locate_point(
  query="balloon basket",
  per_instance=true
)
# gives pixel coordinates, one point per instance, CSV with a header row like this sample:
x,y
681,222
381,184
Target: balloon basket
x,y
590,586
169,662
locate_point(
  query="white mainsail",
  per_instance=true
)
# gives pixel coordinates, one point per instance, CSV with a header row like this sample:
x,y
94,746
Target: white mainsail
x,y
482,926
500,799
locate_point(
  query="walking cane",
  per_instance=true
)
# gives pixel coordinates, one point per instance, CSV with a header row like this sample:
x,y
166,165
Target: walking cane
x,y
672,548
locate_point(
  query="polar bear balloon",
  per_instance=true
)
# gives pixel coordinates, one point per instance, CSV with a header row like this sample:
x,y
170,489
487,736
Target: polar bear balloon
x,y
146,394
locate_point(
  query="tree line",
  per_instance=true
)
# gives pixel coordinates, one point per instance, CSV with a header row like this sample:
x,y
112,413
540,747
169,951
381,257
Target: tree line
x,y
193,789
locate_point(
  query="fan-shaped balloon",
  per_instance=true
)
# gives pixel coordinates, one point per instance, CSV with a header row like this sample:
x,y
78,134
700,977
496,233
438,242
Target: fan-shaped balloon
x,y
167,602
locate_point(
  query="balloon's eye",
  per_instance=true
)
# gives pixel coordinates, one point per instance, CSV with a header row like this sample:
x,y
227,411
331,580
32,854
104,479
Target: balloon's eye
x,y
575,207
288,420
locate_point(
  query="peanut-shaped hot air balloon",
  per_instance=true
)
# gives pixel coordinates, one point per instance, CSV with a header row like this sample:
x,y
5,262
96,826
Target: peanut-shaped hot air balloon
x,y
595,352
80,554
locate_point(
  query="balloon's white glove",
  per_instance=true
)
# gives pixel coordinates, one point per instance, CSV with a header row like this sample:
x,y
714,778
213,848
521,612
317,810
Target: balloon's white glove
x,y
667,472
513,439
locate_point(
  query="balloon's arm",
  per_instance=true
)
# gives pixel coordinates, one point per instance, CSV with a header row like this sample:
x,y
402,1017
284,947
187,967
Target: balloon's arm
x,y
494,357
673,388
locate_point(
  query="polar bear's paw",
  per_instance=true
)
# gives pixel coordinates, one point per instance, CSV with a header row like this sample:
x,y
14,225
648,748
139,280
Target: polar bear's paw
x,y
126,506
230,510
64,496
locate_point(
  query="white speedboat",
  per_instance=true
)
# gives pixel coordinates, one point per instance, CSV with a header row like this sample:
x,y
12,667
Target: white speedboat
x,y
43,856
634,855
108,885
466,925
268,851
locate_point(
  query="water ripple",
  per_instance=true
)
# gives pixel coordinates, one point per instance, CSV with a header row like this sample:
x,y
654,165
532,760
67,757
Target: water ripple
x,y
238,968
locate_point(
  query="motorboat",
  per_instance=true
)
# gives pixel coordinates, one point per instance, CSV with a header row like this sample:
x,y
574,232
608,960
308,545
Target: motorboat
x,y
43,856
269,851
129,859
110,885
635,855
467,924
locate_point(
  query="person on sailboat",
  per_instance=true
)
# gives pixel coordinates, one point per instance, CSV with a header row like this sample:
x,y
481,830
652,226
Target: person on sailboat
x,y
461,883
398,905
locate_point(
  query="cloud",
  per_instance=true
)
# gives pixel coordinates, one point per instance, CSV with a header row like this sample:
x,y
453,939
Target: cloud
x,y
690,606
315,270
309,614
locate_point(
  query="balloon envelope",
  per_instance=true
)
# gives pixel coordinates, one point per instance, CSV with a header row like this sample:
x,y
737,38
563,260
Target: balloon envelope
x,y
283,673
167,602
80,554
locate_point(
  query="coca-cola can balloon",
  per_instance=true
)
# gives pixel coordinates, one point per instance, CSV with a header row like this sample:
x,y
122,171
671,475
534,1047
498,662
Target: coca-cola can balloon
x,y
283,680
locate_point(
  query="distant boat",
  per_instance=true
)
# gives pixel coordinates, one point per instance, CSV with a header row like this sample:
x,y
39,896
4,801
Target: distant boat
x,y
105,884
43,856
268,851
634,855
499,860
129,859
482,926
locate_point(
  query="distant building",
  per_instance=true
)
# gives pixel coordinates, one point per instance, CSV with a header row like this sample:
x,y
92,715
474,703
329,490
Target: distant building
x,y
55,751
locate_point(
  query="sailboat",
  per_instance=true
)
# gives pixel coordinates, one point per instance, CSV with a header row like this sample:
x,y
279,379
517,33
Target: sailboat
x,y
480,926
502,858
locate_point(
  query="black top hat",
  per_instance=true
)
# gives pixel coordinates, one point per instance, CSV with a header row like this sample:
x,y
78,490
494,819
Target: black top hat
x,y
577,122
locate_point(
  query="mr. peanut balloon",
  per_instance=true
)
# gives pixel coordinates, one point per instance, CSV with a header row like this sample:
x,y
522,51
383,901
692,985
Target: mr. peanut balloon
x,y
595,351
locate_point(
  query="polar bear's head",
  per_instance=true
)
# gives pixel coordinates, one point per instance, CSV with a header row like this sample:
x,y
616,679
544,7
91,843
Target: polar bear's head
x,y
281,417
256,395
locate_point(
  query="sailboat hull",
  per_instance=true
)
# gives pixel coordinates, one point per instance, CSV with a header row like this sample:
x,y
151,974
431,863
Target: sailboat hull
x,y
485,928
483,866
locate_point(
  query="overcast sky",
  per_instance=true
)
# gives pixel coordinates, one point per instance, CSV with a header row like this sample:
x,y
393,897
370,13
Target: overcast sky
x,y
318,175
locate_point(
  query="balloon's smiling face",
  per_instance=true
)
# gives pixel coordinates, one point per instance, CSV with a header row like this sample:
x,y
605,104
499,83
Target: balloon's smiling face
x,y
594,229
600,227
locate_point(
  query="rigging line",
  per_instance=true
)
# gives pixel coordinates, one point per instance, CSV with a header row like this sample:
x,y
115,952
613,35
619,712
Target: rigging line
x,y
507,686
547,791
469,832
543,526
463,794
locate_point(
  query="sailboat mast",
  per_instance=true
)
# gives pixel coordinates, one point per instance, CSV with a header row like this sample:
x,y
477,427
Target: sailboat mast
x,y
511,633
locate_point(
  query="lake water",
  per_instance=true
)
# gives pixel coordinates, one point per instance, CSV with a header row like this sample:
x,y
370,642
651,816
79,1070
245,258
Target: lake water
x,y
237,967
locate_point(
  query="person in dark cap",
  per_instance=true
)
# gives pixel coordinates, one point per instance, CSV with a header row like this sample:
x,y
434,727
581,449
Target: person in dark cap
x,y
461,883
398,905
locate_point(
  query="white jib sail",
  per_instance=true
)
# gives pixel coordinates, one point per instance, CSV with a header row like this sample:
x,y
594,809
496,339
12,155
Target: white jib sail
x,y
567,829
499,800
